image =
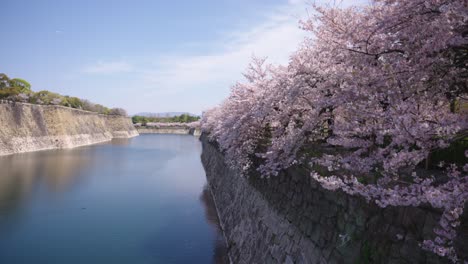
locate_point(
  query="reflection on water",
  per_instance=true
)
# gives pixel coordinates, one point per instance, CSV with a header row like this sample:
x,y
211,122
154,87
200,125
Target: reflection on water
x,y
56,171
121,141
220,254
127,201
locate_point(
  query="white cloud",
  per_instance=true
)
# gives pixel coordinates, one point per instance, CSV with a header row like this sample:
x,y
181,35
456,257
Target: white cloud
x,y
213,73
276,37
108,67
193,83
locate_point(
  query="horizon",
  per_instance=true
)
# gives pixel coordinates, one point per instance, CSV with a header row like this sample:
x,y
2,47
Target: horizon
x,y
151,57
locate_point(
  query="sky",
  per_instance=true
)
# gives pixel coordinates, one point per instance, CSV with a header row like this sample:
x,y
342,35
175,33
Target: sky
x,y
146,55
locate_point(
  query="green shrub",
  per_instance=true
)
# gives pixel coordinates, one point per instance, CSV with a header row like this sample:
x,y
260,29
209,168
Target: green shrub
x,y
73,102
22,84
20,90
9,92
46,97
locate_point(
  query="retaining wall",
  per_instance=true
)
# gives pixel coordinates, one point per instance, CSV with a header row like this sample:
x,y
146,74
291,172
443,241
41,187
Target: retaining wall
x,y
291,219
28,127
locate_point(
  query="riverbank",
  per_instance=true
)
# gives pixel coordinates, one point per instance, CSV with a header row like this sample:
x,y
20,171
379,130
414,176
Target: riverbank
x,y
290,218
29,127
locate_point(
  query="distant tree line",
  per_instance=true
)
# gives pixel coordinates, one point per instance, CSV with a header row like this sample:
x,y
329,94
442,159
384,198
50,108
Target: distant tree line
x,y
183,118
19,90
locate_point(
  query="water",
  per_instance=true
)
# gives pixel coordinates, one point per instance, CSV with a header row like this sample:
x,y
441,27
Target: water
x,y
140,200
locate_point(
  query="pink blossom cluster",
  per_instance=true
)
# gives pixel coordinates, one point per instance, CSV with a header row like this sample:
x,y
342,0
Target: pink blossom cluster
x,y
379,86
194,125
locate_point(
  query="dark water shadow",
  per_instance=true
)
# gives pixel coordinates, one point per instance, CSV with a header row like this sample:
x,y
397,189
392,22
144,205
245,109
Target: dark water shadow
x,y
178,245
220,254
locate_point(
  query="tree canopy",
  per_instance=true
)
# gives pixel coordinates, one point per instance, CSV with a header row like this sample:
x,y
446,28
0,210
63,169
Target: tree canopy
x,y
20,90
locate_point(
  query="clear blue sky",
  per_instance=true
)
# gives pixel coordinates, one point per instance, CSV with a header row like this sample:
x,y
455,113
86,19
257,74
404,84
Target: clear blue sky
x,y
144,55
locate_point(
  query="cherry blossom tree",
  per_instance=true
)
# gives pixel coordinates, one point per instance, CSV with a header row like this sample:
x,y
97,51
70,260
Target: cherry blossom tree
x,y
379,86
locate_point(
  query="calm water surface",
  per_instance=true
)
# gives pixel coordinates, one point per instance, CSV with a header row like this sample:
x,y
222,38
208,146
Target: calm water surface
x,y
142,200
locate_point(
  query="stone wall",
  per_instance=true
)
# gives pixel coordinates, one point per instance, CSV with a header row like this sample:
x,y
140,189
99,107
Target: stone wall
x,y
28,127
168,130
291,219
120,127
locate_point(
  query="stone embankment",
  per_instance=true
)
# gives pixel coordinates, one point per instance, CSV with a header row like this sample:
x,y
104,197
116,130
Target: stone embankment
x,y
292,219
168,130
28,127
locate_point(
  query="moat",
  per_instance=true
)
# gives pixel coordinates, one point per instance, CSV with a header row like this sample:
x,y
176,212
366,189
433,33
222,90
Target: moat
x,y
139,200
